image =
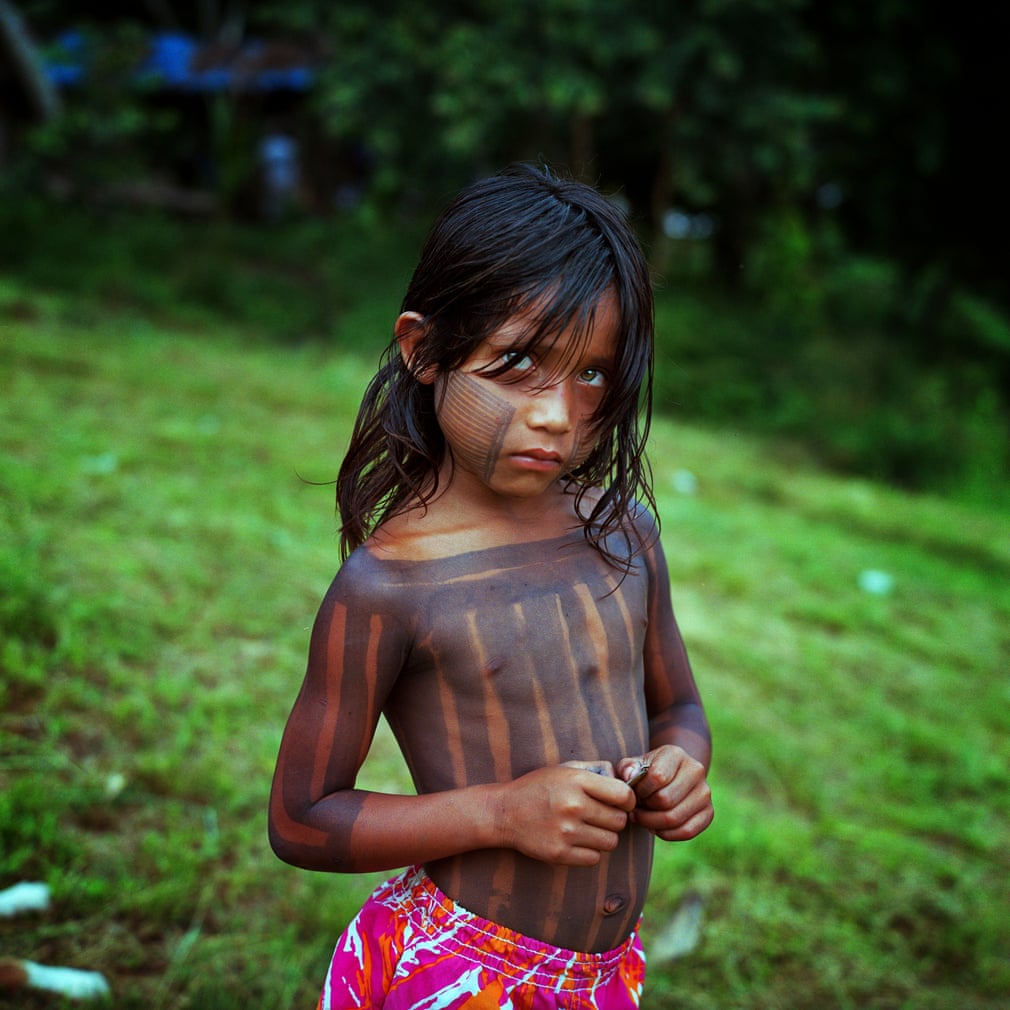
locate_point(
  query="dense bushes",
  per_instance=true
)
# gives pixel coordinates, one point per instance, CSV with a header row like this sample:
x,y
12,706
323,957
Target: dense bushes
x,y
875,372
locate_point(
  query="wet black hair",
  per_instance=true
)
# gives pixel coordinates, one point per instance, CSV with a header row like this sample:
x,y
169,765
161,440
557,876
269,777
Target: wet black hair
x,y
525,240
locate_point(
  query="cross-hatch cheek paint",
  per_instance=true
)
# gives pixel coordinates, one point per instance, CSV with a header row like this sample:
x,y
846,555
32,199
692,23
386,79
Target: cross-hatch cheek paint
x,y
476,423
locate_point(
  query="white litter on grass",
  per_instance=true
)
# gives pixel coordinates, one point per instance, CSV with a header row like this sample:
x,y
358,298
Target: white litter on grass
x,y
875,582
71,982
114,785
684,481
24,897
681,934
101,465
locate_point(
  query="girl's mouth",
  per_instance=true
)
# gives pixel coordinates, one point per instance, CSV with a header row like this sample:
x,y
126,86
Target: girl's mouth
x,y
538,459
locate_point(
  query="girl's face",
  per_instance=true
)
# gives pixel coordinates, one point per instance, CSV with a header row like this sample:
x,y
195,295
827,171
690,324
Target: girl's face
x,y
516,433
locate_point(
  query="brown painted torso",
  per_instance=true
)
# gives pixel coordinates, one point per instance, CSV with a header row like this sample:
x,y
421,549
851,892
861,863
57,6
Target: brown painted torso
x,y
509,659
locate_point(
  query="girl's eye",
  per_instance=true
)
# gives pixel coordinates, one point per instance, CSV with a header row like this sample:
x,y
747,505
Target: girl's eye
x,y
517,361
593,377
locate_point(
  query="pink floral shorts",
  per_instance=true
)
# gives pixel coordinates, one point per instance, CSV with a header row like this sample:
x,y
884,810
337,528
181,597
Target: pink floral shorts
x,y
413,948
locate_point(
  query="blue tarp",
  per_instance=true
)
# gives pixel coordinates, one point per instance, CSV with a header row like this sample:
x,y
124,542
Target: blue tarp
x,y
172,63
65,66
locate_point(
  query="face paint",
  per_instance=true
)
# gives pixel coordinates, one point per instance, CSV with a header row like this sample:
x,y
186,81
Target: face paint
x,y
585,443
475,422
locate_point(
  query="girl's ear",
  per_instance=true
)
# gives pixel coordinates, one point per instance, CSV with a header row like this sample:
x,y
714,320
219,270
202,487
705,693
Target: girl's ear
x,y
410,330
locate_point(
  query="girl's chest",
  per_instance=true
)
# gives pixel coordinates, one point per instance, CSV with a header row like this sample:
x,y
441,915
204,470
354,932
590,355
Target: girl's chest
x,y
540,632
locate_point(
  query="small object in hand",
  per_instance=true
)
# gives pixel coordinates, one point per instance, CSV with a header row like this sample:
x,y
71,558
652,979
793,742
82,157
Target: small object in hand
x,y
640,773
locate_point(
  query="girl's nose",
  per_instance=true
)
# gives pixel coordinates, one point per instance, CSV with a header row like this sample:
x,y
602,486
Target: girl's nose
x,y
551,408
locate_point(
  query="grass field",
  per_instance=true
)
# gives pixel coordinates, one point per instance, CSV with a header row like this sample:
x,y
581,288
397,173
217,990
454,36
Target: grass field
x,y
162,553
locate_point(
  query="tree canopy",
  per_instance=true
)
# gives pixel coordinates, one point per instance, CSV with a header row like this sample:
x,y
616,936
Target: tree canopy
x,y
735,108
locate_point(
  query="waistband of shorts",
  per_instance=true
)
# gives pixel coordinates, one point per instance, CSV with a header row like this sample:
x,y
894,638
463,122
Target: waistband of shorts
x,y
498,947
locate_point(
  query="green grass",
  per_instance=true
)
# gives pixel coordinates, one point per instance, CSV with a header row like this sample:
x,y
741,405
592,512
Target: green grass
x,y
162,555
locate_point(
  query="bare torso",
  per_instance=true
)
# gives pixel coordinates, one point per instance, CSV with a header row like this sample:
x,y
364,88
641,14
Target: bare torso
x,y
518,657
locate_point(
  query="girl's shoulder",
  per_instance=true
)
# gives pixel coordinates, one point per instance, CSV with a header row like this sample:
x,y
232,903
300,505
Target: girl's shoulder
x,y
640,526
645,522
366,589
637,538
367,580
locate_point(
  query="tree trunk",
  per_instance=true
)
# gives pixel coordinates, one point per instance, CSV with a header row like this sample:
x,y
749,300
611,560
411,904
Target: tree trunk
x,y
661,197
583,149
27,63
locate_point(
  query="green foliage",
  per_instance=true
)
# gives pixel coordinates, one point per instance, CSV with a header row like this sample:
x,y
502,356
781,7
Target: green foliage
x,y
742,109
100,136
781,274
28,619
313,279
648,96
30,831
822,347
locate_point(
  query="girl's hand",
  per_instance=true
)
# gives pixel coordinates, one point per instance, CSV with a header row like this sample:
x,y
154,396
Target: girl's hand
x,y
568,814
674,798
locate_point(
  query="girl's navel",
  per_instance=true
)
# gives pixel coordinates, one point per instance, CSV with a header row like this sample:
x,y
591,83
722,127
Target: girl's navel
x,y
614,903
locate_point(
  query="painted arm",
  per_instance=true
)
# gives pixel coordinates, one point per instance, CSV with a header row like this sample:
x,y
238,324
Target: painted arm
x,y
674,798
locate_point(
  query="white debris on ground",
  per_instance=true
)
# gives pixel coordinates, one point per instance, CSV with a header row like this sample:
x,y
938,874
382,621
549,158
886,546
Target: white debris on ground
x,y
684,482
17,973
875,582
27,896
681,934
70,982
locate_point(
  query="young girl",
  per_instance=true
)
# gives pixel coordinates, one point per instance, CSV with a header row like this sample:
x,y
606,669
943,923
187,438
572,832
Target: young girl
x,y
504,602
